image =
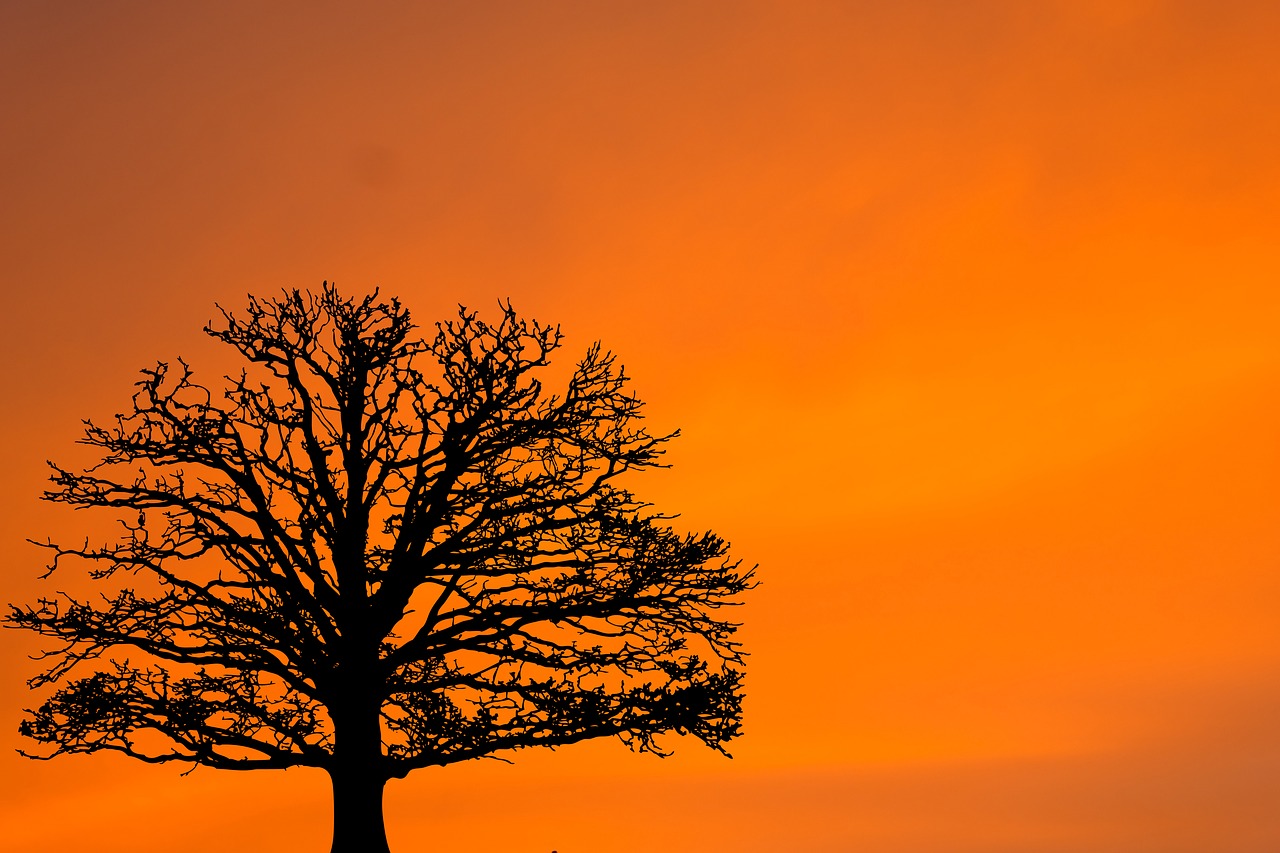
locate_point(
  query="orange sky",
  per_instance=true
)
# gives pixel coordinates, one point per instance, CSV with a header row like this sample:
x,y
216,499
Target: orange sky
x,y
968,312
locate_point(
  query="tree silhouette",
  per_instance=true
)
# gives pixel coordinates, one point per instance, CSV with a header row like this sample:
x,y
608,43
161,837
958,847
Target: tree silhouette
x,y
372,552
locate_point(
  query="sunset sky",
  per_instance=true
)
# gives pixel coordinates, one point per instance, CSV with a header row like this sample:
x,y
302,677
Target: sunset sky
x,y
969,313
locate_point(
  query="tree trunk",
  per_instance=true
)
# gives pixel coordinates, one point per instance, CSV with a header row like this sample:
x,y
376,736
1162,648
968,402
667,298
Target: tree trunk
x,y
358,772
357,810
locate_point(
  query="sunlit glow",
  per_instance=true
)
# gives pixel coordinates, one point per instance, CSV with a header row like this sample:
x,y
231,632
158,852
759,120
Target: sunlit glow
x,y
967,313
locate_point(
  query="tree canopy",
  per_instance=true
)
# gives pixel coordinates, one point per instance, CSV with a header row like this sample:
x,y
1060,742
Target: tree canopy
x,y
372,551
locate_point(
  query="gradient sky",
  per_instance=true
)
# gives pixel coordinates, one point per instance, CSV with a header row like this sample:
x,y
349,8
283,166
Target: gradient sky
x,y
968,312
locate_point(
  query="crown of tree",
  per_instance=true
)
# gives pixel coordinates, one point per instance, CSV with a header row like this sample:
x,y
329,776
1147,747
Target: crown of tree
x,y
371,552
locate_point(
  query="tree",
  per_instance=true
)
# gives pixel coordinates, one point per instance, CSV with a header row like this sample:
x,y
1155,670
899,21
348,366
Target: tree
x,y
373,552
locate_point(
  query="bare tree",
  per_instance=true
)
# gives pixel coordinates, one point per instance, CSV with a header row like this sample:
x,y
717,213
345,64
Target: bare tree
x,y
372,552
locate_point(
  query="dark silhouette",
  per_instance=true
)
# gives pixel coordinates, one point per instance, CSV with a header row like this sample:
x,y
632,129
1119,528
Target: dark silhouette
x,y
371,553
